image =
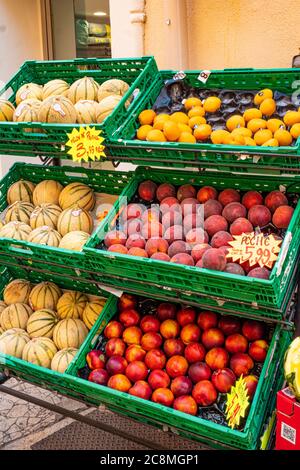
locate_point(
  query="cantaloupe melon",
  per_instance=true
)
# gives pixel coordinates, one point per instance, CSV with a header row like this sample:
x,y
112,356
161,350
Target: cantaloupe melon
x,y
19,211
106,107
47,192
112,87
77,195
27,111
63,359
44,295
92,312
71,305
1,330
13,342
74,240
15,230
15,316
55,87
71,220
2,306
69,333
44,236
57,109
7,110
45,214
17,291
28,91
39,351
20,191
86,111
42,323
85,88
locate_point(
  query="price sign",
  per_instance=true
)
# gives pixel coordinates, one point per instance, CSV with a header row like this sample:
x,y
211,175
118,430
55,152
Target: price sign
x,y
254,248
237,403
86,144
204,76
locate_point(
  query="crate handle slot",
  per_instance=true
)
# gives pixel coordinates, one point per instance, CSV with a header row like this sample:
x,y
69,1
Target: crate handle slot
x,y
16,249
6,93
284,251
76,175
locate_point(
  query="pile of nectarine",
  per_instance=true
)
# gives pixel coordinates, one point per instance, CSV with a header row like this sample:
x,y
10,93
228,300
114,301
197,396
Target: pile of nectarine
x,y
178,357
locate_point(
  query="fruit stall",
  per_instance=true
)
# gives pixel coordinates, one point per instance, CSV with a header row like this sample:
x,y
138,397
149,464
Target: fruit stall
x,y
169,293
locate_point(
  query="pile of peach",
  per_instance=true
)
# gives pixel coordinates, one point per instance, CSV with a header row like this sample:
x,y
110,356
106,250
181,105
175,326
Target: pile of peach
x,y
193,226
177,357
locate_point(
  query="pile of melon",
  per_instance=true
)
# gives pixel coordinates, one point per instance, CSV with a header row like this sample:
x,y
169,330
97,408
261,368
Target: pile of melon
x,y
43,325
85,101
49,214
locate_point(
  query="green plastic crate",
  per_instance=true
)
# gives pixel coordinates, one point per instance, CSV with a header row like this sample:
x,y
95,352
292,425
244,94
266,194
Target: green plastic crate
x,y
268,296
47,258
224,157
15,140
192,427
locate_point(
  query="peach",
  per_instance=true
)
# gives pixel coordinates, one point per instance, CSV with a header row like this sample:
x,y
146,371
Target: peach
x,y
259,273
199,264
132,211
196,236
133,226
236,343
175,232
183,258
170,204
116,365
207,320
258,350
185,191
223,380
113,329
189,206
129,317
118,249
119,382
127,301
252,198
282,216
115,346
259,216
173,347
163,396
165,190
251,383
179,246
204,393
221,239
253,330
192,221
99,376
171,218
214,259
160,257
224,250
141,389
233,211
136,370
156,245
155,359
147,190
95,359
234,268
190,333
115,237
152,229
176,366
241,363
228,195
214,224
149,323
199,371
198,251
241,225
169,329
132,335
135,241
135,352
151,215
186,315
166,310
212,207
158,379
206,193
186,404
229,325
151,340
213,338
181,385
135,251
217,358
275,199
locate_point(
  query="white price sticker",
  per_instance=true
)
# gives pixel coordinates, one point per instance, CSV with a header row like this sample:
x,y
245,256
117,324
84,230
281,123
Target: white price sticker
x,y
204,76
179,75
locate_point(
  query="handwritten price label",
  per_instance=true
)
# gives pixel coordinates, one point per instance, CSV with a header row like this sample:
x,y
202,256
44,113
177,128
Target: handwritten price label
x,y
204,76
237,403
254,248
86,144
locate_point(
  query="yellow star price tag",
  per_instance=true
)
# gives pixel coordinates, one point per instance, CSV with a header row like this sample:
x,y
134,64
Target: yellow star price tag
x,y
237,403
86,143
254,248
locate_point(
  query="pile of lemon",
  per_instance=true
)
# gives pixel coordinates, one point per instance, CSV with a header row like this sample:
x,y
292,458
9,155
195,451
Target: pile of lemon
x,y
255,127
